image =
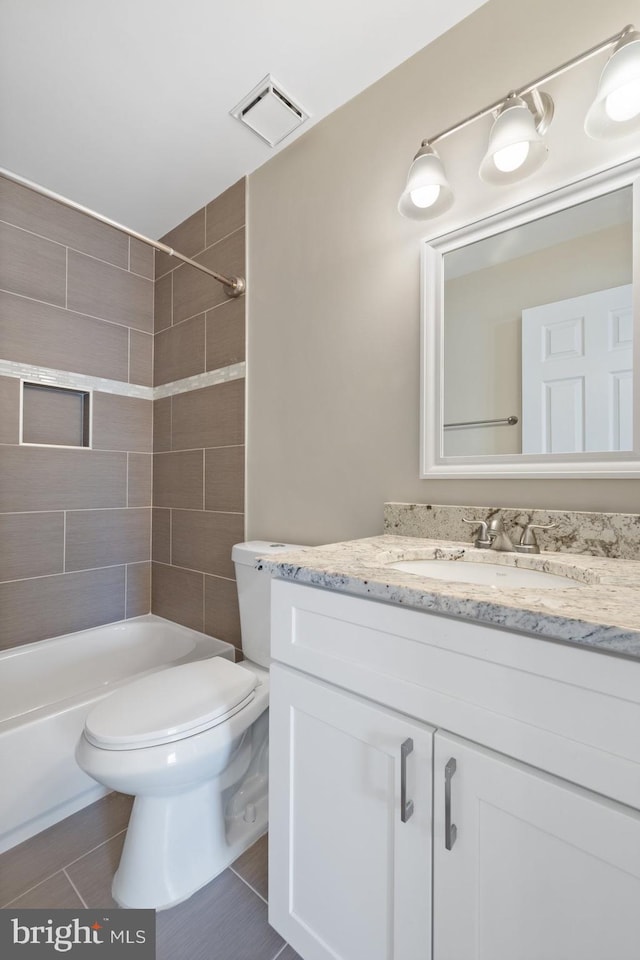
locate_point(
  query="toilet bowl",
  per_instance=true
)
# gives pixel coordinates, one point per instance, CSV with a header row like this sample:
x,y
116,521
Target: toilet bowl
x,y
190,743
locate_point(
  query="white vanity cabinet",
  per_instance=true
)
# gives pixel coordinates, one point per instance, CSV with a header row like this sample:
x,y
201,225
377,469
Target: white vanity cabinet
x,y
532,828
350,824
538,869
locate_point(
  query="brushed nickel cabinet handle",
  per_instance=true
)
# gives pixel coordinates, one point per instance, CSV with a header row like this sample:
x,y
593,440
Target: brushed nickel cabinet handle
x,y
406,806
450,829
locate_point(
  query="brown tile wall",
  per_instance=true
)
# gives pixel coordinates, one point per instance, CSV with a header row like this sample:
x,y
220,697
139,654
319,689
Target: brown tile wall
x,y
198,436
76,524
75,295
68,297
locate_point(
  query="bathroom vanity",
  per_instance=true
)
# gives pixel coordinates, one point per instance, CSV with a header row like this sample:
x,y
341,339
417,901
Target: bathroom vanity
x,y
455,767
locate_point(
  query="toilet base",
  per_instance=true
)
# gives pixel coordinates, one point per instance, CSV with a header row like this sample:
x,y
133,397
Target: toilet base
x,y
177,844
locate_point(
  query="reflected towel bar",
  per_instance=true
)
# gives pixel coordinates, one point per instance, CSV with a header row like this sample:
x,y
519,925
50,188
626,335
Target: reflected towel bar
x,y
505,421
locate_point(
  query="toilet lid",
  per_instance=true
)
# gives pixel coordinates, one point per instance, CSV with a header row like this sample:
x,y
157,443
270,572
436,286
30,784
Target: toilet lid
x,y
170,704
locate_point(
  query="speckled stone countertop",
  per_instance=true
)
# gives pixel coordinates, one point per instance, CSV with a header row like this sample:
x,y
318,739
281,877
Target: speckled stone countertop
x,y
599,608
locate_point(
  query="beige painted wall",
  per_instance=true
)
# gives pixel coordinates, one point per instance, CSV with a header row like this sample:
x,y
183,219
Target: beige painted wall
x,y
333,304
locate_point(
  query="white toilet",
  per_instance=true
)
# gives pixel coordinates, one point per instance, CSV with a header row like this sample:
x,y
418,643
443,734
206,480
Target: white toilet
x,y
190,743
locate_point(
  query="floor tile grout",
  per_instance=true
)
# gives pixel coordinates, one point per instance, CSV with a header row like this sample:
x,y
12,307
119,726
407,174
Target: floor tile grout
x,y
82,900
62,869
93,849
23,893
96,866
246,882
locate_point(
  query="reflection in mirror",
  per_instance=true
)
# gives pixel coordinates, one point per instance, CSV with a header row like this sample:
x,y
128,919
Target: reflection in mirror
x,y
537,335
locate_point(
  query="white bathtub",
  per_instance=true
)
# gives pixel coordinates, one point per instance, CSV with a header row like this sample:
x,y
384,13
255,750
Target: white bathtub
x,y
46,690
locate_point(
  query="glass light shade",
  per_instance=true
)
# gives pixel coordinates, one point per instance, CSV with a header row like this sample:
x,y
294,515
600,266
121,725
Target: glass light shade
x,y
515,147
510,158
427,193
425,196
615,112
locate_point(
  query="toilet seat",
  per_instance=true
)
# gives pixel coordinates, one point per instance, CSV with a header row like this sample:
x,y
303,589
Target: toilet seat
x,y
170,705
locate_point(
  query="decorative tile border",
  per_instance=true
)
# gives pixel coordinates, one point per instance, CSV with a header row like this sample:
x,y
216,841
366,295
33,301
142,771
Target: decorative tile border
x,y
615,535
47,376
79,381
234,372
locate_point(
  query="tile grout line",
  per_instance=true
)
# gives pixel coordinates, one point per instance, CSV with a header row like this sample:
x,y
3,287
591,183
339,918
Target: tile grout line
x,y
108,566
7,513
82,900
280,951
84,253
163,563
205,339
79,313
108,263
32,887
63,869
205,249
220,446
93,849
246,882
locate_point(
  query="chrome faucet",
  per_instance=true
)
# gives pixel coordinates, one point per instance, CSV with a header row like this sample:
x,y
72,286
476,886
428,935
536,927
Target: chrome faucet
x,y
500,539
483,540
528,542
492,535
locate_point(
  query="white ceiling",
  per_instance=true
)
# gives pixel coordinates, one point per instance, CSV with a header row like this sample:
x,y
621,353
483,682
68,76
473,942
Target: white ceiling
x,y
123,105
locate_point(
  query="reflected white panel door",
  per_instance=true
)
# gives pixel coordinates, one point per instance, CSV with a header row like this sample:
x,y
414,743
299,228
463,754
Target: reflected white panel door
x,y
577,374
348,878
538,870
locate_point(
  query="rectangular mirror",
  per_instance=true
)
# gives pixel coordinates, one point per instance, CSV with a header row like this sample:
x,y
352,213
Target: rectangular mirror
x,y
529,337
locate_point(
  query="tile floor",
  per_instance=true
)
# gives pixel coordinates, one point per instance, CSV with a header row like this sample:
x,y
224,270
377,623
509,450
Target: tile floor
x,y
72,864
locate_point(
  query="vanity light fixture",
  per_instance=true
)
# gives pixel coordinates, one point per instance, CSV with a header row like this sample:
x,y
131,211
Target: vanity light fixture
x,y
615,111
516,145
427,186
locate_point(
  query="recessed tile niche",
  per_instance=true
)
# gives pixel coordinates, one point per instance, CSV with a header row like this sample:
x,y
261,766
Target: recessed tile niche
x,y
55,416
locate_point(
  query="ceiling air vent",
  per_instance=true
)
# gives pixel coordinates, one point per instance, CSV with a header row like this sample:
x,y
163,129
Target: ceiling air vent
x,y
269,112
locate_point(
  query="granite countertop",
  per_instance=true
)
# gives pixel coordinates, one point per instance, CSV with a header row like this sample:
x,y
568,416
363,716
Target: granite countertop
x,y
599,609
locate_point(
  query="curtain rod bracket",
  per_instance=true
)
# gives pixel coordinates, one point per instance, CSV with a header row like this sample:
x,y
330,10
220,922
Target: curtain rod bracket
x,y
236,287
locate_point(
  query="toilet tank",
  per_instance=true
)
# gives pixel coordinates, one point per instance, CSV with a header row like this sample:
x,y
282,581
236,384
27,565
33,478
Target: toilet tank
x,y
254,596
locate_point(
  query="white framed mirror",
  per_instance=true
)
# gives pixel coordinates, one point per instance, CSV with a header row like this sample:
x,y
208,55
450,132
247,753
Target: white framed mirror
x,y
530,348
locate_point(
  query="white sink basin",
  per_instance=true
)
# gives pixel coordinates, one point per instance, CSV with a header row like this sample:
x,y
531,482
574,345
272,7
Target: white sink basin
x,y
483,573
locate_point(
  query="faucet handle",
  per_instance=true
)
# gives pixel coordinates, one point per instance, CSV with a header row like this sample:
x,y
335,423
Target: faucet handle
x,y
528,542
483,539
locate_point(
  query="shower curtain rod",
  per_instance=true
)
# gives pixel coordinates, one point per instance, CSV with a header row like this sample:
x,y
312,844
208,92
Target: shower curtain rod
x,y
233,286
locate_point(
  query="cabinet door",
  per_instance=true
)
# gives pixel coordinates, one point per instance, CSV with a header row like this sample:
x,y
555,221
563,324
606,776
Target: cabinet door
x,y
538,869
349,878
